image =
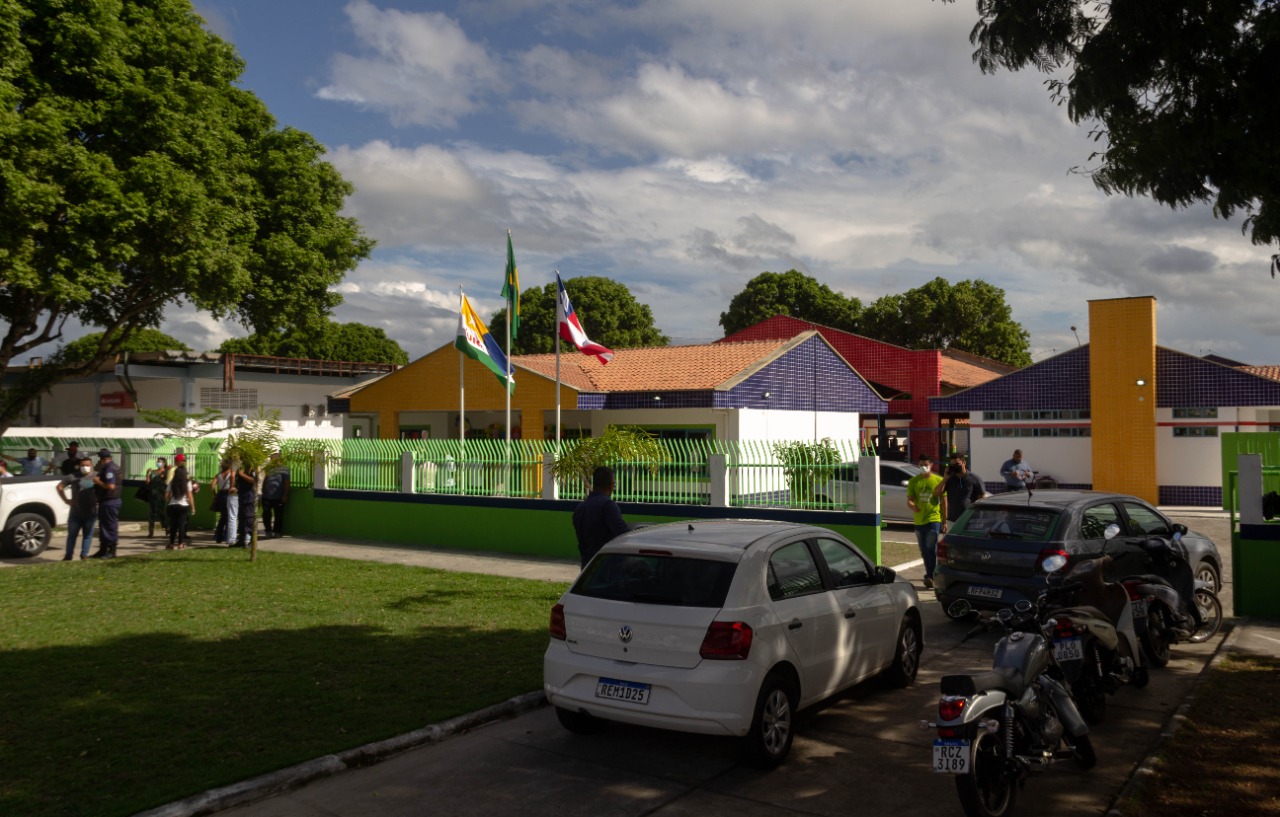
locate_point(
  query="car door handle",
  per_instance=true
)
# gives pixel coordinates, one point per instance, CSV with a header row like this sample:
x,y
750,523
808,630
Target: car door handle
x,y
850,613
795,625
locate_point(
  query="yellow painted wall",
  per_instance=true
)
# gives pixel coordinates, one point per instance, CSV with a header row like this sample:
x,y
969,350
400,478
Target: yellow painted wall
x,y
430,383
1122,351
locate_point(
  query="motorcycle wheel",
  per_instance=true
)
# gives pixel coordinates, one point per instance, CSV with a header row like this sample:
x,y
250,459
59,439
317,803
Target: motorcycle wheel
x,y
990,788
1091,697
1210,614
1082,752
1155,641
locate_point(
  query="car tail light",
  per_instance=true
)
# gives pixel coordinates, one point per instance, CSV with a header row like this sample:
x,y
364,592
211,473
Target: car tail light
x,y
950,709
1046,552
727,640
557,623
940,551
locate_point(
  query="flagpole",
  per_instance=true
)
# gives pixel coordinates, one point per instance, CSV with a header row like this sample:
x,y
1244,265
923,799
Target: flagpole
x,y
556,335
462,410
511,304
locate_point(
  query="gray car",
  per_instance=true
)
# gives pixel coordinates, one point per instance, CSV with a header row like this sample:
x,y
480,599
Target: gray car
x,y
990,557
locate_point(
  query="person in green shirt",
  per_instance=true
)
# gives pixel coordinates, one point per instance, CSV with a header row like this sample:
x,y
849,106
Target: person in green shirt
x,y
929,512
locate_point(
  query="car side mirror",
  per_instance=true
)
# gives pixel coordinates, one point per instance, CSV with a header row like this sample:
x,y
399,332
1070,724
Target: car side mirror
x,y
886,575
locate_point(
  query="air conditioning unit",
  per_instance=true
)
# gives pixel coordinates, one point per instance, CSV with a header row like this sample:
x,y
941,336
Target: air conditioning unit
x,y
238,420
308,410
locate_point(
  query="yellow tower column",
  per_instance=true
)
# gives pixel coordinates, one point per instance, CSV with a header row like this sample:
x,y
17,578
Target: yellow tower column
x,y
1122,395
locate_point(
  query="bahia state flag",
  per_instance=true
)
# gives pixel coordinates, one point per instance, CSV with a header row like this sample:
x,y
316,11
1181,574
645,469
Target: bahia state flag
x,y
571,329
475,342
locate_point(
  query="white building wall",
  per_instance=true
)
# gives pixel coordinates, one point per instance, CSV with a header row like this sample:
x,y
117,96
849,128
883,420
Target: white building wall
x,y
1067,459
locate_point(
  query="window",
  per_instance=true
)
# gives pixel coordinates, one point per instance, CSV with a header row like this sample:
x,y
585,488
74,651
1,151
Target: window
x,y
1074,431
215,397
1093,524
792,572
1144,521
663,580
1195,431
1184,413
1007,522
1044,414
846,567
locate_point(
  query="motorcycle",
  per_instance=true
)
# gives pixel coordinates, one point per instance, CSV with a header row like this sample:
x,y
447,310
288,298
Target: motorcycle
x,y
995,727
1095,639
1170,604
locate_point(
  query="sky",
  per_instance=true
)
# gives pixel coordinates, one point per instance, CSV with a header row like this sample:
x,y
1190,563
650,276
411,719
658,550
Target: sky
x,y
682,148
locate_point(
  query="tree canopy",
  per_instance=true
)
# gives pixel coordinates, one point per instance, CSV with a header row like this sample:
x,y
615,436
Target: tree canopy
x,y
323,341
790,293
135,174
609,313
1183,93
971,316
142,340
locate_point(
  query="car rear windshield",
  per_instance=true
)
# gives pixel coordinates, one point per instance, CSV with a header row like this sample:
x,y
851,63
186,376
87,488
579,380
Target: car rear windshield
x,y
1007,522
676,581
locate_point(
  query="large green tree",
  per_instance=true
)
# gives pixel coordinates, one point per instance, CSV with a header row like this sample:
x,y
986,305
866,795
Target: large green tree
x,y
141,340
1181,94
135,174
324,341
971,316
790,293
609,313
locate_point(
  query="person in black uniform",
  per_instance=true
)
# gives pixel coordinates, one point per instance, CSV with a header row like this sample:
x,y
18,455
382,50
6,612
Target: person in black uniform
x,y
597,518
108,485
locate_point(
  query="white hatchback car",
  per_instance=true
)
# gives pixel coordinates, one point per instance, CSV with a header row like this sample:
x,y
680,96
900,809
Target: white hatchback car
x,y
726,627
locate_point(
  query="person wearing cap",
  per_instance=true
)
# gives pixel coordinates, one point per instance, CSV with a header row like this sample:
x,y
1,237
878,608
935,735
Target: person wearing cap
x,y
108,484
929,509
70,465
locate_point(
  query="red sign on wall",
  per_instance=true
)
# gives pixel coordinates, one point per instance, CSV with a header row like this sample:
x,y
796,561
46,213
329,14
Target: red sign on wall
x,y
115,399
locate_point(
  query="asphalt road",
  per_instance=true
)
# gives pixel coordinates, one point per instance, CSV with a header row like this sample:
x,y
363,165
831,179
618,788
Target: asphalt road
x,y
862,753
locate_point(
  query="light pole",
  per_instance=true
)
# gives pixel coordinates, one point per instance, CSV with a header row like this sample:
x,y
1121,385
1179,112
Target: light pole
x,y
1077,334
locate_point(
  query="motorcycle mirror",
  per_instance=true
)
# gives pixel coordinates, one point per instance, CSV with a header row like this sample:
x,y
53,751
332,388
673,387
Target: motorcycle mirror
x,y
1053,563
1177,536
1179,529
1112,531
959,609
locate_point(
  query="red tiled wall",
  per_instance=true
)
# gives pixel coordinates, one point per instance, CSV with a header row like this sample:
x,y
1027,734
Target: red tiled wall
x,y
919,373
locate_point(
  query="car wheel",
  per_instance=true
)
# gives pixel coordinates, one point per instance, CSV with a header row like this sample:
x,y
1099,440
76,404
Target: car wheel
x,y
27,534
1206,572
906,659
579,723
773,725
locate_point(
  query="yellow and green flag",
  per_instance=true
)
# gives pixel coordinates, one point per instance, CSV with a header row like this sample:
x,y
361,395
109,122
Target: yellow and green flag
x,y
511,288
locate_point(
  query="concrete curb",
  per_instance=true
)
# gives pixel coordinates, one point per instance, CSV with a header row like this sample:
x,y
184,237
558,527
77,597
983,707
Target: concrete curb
x,y
293,777
1147,767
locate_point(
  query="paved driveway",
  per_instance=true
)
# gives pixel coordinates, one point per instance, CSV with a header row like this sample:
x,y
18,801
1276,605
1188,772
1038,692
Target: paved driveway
x,y
863,753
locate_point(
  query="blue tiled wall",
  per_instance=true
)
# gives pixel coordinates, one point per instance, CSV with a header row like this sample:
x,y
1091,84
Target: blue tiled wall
x,y
1060,382
809,377
1187,381
1191,495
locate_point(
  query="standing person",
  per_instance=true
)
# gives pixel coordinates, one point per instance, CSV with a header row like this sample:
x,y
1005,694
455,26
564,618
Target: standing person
x,y
1017,472
108,486
157,506
962,487
246,483
33,463
929,509
84,507
71,464
226,503
597,518
180,498
275,493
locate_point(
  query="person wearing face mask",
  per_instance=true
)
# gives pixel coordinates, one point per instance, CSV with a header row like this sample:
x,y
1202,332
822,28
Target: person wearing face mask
x,y
84,507
157,480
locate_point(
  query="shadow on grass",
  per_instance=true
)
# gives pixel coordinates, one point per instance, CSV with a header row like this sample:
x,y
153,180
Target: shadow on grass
x,y
118,726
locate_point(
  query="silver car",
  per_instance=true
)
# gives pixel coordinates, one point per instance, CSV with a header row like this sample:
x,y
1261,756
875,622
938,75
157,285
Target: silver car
x,y
842,490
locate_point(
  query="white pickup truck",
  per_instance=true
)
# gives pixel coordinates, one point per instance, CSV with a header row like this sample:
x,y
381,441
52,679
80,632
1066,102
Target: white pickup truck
x,y
30,509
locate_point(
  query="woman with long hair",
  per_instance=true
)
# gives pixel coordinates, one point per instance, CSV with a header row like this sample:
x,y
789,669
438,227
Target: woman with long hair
x,y
181,490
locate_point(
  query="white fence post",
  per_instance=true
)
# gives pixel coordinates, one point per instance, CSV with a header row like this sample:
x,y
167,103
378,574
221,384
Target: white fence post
x,y
550,490
320,478
868,485
406,472
718,470
1249,487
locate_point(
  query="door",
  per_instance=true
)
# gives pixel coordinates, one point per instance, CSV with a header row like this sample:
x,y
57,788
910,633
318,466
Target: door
x,y
810,619
1144,522
868,623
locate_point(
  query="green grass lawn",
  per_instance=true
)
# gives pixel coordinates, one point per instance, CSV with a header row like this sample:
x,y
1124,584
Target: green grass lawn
x,y
131,683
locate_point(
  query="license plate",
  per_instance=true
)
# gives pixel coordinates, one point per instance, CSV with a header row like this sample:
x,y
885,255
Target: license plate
x,y
1139,608
951,756
1068,649
985,592
628,691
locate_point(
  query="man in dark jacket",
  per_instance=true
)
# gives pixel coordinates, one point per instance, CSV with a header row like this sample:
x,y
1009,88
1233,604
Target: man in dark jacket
x,y
962,487
275,493
597,519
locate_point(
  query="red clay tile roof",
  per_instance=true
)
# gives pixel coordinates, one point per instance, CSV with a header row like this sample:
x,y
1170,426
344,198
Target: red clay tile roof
x,y
658,368
962,370
1271,372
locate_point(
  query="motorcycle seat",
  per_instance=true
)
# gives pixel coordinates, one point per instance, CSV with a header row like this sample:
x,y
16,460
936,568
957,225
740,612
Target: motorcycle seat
x,y
1011,682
